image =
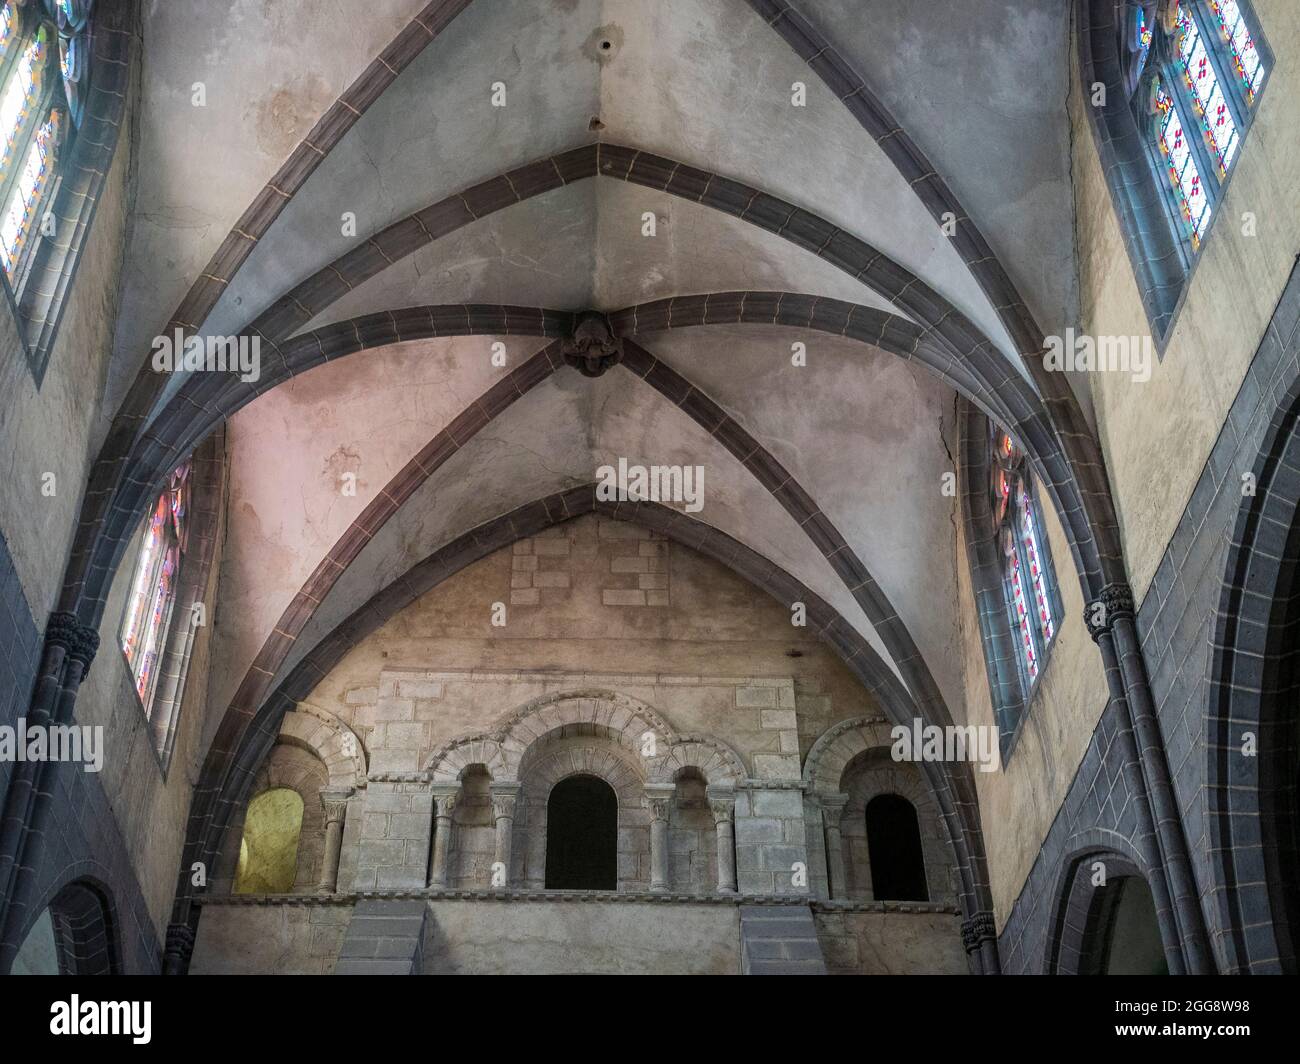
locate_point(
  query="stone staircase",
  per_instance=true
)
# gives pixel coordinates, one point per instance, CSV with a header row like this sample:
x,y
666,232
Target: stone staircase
x,y
779,940
384,937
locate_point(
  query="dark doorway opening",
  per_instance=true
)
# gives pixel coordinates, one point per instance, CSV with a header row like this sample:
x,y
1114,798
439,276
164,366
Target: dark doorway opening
x,y
582,835
1123,936
894,847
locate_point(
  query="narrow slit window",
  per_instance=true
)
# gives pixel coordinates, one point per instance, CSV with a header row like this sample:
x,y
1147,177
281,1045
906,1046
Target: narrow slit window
x,y
1185,175
1246,61
153,587
44,79
1029,582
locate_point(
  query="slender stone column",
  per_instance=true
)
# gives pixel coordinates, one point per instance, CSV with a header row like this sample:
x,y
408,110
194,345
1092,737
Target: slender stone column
x,y
659,799
504,797
335,804
722,804
69,649
1110,623
832,807
1160,790
62,633
444,801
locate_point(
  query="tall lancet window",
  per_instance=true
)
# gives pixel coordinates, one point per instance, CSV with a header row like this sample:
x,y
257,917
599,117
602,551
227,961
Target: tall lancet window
x,y
153,586
44,76
1195,74
1028,579
1172,89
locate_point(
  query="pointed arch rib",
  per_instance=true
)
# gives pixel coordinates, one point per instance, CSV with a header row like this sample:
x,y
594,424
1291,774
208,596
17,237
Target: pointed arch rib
x,y
957,346
111,465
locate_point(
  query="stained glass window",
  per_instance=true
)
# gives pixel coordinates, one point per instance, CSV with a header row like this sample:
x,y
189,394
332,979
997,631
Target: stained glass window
x,y
1208,101
1245,56
1144,32
1143,35
33,182
1027,569
44,77
1180,161
8,29
21,95
153,587
1195,96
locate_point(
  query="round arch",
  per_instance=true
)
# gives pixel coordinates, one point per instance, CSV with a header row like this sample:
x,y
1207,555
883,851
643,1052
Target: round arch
x,y
1251,741
333,742
1087,891
84,922
840,744
626,720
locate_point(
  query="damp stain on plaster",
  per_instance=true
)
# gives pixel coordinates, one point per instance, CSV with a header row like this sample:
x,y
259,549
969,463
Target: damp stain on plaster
x,y
604,44
343,467
281,119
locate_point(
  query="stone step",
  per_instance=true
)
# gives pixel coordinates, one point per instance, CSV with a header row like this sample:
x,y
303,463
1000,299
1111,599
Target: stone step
x,y
779,940
384,937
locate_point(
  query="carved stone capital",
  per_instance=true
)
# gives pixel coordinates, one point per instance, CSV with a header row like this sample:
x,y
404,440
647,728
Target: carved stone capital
x,y
659,800
722,804
1115,601
335,805
179,946
505,799
444,801
979,928
832,806
723,810
79,641
592,349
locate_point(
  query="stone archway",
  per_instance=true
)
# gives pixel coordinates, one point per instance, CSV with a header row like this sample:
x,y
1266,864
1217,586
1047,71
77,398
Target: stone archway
x,y
1252,739
76,934
1097,929
603,733
321,759
848,767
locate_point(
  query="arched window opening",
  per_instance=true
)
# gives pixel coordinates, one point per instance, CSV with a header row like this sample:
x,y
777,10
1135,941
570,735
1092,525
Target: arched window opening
x,y
153,587
1174,86
894,846
475,831
582,835
268,852
74,936
693,844
1198,73
1013,580
44,79
1028,579
165,613
39,953
1124,936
